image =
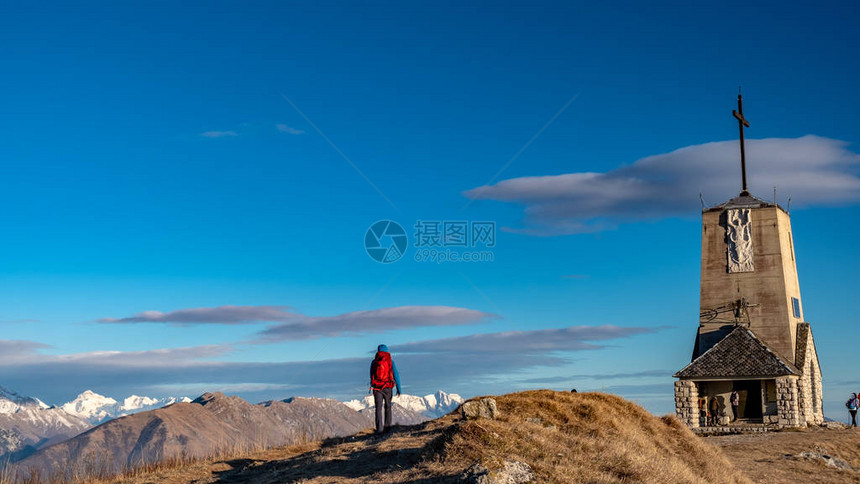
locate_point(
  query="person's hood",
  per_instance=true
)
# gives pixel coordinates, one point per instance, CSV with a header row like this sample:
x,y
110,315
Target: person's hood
x,y
853,395
382,348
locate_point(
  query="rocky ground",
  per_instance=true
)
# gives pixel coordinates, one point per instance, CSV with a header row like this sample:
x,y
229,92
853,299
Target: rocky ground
x,y
806,456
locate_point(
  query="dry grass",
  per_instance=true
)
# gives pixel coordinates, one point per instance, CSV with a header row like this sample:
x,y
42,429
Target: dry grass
x,y
582,437
589,437
100,469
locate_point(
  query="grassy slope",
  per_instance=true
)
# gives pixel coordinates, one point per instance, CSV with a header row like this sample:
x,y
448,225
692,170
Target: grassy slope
x,y
583,437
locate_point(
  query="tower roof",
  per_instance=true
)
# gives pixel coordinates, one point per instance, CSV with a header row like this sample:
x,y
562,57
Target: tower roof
x,y
739,354
744,200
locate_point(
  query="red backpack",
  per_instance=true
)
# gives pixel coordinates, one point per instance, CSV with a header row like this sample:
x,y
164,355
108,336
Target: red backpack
x,y
380,371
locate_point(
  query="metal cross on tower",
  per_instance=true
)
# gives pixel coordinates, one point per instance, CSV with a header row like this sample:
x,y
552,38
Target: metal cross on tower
x,y
742,121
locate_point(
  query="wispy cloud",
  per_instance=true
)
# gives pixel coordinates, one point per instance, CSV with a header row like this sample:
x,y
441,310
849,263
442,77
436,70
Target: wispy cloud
x,y
294,326
468,365
218,134
283,128
28,352
601,376
631,391
574,338
216,315
149,358
15,351
812,169
373,321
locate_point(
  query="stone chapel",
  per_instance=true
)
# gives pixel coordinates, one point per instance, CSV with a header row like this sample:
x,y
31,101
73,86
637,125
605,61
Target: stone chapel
x,y
752,337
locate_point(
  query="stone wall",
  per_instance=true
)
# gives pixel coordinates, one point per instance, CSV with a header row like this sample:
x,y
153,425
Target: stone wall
x,y
809,388
788,406
687,402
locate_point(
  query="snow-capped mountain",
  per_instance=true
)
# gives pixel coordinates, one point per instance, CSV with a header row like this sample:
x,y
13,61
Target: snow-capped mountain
x,y
95,408
432,406
28,422
11,402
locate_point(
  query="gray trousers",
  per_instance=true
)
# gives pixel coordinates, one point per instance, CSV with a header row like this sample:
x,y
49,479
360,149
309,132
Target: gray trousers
x,y
382,400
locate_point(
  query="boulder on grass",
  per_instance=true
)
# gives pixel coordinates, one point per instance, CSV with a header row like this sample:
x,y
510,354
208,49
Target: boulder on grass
x,y
483,408
513,472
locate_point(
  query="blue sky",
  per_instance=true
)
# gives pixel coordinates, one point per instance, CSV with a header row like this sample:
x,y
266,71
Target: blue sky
x,y
172,156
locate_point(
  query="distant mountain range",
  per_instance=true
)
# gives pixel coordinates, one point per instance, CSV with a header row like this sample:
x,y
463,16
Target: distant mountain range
x,y
431,406
142,429
209,424
27,423
95,408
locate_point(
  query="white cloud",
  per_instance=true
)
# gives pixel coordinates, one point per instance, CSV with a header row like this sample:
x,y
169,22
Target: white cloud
x,y
374,321
573,338
216,315
283,128
296,326
17,351
218,134
812,169
167,357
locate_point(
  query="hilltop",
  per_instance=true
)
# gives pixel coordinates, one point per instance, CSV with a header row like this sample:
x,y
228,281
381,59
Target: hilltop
x,y
563,437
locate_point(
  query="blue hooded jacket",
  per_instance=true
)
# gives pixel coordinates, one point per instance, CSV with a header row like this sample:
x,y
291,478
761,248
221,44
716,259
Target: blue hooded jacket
x,y
384,348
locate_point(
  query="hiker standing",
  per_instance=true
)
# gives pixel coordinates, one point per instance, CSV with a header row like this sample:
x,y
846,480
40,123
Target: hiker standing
x,y
735,400
852,404
383,379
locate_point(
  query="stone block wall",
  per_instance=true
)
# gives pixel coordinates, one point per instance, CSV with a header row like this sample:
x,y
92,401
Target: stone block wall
x,y
809,388
687,402
787,404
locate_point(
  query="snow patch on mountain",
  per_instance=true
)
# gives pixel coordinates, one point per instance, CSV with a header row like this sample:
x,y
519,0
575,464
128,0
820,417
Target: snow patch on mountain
x,y
29,422
432,406
97,409
11,402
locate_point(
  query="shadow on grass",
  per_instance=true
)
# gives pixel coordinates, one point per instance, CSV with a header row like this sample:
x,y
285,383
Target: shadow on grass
x,y
365,461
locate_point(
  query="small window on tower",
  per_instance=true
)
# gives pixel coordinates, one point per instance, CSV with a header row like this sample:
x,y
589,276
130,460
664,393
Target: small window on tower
x,y
795,304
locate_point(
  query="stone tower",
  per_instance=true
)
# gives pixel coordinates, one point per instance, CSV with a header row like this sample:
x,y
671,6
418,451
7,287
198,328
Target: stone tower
x,y
752,338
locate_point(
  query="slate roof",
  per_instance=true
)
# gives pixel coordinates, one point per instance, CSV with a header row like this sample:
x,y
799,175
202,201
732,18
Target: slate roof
x,y
739,354
744,200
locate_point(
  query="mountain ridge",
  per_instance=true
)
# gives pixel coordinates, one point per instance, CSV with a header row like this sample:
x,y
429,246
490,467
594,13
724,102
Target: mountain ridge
x,y
209,424
28,424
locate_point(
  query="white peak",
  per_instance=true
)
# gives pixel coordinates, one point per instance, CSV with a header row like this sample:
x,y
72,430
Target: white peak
x,y
90,406
433,405
91,396
96,408
135,402
359,405
11,402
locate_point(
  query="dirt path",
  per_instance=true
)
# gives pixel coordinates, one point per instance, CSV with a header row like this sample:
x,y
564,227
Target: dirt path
x,y
773,457
395,458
